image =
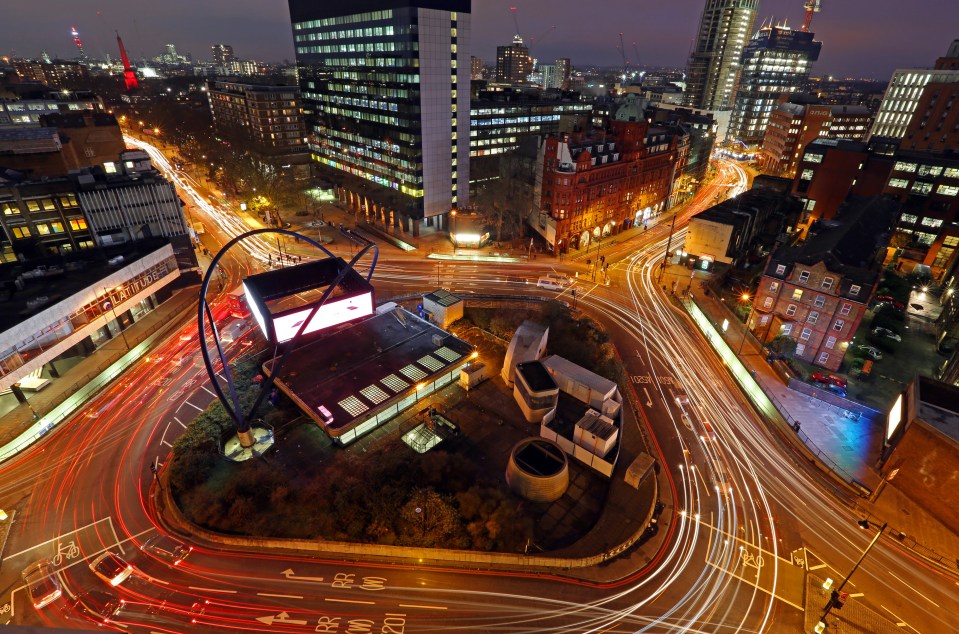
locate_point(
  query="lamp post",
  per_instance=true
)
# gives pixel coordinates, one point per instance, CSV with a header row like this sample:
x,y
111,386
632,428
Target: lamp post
x,y
453,232
745,298
116,318
669,243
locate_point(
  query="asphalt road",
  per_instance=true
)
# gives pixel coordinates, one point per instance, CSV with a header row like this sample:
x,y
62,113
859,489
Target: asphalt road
x,y
745,509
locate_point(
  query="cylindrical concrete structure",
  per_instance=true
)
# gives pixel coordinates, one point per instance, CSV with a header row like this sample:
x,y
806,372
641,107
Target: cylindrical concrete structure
x,y
538,470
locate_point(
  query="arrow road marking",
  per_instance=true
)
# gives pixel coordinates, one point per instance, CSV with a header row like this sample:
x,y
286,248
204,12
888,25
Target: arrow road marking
x,y
649,401
282,617
289,574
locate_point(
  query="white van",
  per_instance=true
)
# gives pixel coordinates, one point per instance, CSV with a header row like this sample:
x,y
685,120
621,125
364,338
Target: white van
x,y
550,283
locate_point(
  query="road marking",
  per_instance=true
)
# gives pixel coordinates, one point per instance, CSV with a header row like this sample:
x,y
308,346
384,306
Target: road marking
x,y
913,589
289,574
811,568
58,538
900,623
180,422
282,617
649,401
350,601
278,596
423,607
211,590
209,391
199,409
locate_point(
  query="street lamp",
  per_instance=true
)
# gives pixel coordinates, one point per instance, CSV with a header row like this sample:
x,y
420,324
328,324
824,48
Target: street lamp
x,y
453,233
745,298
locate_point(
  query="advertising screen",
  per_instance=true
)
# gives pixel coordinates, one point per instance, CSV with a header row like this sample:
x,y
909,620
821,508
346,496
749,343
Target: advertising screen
x,y
334,312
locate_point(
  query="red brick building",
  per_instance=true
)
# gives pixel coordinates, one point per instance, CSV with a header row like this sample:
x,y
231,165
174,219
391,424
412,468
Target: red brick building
x,y
794,125
829,170
590,187
817,292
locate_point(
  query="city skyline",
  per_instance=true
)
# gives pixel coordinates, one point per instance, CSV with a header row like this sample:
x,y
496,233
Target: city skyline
x,y
261,31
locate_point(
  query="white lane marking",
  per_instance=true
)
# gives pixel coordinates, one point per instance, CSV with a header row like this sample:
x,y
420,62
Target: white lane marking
x,y
199,409
163,442
212,590
209,391
278,596
349,601
423,607
74,531
900,622
180,422
913,589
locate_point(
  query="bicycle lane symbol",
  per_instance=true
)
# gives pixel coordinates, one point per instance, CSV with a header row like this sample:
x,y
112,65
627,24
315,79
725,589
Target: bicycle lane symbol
x,y
67,551
751,560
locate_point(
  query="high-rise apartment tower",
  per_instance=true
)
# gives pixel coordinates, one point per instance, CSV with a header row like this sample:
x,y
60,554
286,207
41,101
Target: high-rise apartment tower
x,y
713,70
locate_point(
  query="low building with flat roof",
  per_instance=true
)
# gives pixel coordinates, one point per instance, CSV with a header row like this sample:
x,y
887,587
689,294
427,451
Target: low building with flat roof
x,y
360,376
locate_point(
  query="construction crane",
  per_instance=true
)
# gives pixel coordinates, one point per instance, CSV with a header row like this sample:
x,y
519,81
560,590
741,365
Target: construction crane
x,y
539,38
622,52
513,11
811,6
129,76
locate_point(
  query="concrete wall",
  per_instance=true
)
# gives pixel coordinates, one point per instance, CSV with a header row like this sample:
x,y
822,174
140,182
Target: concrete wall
x,y
929,472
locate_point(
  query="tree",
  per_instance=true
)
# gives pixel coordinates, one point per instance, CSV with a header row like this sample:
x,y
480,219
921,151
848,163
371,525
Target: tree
x,y
784,345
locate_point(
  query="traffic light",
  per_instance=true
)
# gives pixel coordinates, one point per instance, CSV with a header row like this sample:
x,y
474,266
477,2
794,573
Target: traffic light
x,y
838,599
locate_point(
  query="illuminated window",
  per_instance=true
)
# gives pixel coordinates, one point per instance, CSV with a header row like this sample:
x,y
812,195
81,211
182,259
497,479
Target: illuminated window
x,y
33,205
797,294
9,209
774,286
21,232
78,224
854,289
780,269
813,158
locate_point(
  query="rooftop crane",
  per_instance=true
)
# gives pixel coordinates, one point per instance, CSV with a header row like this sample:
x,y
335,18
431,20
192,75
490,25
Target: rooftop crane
x,y
622,52
513,11
811,6
536,40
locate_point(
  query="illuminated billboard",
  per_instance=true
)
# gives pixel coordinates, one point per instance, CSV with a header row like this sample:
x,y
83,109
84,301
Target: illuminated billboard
x,y
282,300
894,419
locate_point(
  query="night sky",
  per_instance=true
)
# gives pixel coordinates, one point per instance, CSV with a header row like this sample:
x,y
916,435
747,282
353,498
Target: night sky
x,y
862,38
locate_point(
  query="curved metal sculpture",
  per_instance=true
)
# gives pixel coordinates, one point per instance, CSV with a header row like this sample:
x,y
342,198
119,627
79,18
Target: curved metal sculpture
x,y
232,405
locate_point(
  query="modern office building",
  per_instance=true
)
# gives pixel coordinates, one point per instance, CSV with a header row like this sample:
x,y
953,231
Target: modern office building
x,y
24,104
269,116
55,74
714,65
63,309
120,201
513,62
776,62
476,68
499,120
796,123
222,54
386,92
919,106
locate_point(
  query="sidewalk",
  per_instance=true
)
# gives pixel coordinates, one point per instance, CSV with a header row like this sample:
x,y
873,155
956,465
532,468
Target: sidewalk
x,y
847,446
20,428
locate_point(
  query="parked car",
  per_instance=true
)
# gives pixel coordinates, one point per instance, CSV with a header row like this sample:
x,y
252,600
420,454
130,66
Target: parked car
x,y
828,379
871,351
167,549
889,299
42,583
111,568
838,390
885,332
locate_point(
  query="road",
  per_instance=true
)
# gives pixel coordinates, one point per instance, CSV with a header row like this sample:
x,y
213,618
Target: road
x,y
744,503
